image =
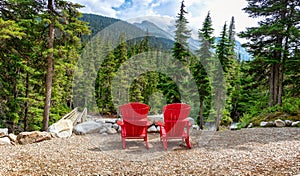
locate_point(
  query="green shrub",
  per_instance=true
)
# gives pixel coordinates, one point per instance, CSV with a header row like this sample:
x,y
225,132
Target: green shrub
x,y
245,120
226,119
291,106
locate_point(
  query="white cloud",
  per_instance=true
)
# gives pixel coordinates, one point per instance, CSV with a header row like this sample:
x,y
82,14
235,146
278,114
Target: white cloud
x,y
220,11
100,7
139,8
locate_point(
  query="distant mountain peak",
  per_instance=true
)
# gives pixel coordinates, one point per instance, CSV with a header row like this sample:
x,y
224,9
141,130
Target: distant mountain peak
x,y
153,29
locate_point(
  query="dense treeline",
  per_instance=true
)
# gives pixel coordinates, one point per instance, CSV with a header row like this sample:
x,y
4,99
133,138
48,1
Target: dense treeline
x,y
38,38
229,89
121,63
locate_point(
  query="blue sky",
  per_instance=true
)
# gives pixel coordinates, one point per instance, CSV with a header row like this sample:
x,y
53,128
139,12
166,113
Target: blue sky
x,y
135,10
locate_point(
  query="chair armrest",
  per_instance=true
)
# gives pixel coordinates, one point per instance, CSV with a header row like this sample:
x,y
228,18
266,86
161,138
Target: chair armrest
x,y
148,123
119,122
159,123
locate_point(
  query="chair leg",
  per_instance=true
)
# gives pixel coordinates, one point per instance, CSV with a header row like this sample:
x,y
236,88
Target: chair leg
x,y
188,143
124,143
146,140
165,143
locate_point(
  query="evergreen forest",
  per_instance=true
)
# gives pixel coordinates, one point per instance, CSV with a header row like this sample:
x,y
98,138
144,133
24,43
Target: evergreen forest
x,y
53,59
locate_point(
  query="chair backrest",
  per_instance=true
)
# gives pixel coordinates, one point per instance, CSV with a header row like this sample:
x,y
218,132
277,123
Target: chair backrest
x,y
175,118
134,116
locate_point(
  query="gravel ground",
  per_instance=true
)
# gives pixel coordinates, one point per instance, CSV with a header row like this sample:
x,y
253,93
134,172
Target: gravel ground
x,y
257,151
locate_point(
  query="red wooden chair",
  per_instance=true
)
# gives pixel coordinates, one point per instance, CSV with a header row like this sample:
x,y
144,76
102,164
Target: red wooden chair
x,y
176,124
135,123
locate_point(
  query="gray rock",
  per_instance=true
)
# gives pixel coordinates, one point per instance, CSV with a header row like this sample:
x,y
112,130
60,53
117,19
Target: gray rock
x,y
234,126
115,126
152,129
295,124
110,120
155,118
100,121
5,141
103,130
267,124
288,122
192,121
111,131
2,134
108,125
195,127
4,130
250,125
62,128
33,137
279,123
12,137
87,127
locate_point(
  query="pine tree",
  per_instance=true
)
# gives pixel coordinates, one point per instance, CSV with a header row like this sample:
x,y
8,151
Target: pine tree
x,y
231,33
223,49
207,31
233,75
64,29
273,38
200,67
49,77
182,34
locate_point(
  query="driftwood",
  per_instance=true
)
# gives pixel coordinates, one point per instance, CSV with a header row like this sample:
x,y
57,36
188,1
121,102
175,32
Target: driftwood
x,y
76,116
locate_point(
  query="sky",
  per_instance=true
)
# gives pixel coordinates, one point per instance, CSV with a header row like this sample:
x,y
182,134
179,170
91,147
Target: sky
x,y
166,11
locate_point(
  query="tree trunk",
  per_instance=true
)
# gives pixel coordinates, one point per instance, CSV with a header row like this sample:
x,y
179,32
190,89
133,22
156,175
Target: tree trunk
x,y
271,85
27,103
279,101
276,75
201,114
219,94
50,68
281,77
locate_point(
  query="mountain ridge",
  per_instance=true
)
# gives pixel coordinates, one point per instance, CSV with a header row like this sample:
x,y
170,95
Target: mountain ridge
x,y
98,23
193,43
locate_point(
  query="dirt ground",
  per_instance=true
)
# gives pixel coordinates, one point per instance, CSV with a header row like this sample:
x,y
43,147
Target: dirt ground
x,y
255,151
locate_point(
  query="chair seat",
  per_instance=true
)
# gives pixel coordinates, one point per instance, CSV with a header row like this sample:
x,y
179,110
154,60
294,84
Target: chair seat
x,y
176,124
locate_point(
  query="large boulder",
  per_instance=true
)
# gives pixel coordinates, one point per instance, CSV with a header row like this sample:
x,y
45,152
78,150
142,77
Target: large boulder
x,y
5,141
279,123
87,127
12,137
63,128
3,132
33,137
